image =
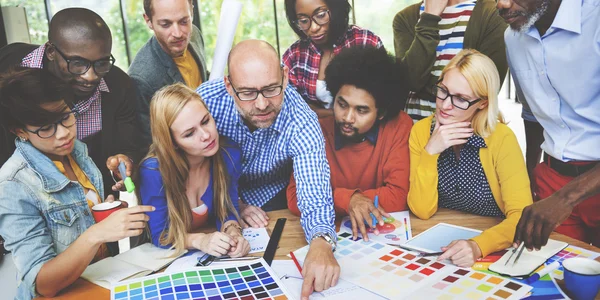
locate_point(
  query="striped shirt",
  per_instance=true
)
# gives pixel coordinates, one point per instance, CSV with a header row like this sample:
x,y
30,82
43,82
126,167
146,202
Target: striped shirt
x,y
87,112
452,33
294,142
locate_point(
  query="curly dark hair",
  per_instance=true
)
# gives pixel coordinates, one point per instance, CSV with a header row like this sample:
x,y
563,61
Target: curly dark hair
x,y
373,70
340,18
23,91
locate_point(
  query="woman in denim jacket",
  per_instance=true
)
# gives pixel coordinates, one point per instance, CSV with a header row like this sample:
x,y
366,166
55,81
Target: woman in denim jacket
x,y
47,188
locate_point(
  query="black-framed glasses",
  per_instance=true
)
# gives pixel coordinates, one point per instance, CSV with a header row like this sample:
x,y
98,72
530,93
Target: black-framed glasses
x,y
442,93
268,92
79,65
48,131
321,17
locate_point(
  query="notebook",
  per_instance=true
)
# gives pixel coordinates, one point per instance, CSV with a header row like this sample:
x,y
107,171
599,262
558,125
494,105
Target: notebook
x,y
529,260
139,261
433,239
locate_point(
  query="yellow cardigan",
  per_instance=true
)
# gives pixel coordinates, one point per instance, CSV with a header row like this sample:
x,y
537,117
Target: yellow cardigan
x,y
504,168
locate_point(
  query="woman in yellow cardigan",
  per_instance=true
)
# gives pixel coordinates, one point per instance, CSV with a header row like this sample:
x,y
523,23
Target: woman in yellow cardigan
x,y
464,157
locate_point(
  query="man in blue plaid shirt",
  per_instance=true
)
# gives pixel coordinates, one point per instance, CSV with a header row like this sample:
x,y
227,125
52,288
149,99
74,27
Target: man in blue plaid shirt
x,y
278,133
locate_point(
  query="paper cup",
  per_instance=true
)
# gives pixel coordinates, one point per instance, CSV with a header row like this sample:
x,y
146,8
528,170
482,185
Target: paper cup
x,y
102,210
582,277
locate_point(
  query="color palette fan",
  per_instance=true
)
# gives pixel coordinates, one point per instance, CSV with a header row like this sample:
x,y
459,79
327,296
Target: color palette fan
x,y
254,280
569,252
400,274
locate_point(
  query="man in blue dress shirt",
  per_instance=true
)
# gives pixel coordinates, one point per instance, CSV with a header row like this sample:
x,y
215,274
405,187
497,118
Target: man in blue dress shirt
x,y
553,51
278,133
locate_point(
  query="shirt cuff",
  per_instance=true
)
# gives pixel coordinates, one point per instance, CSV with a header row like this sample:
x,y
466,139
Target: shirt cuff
x,y
320,229
429,21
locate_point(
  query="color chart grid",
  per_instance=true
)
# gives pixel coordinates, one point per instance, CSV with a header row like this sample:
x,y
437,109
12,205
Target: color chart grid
x,y
569,252
240,281
399,274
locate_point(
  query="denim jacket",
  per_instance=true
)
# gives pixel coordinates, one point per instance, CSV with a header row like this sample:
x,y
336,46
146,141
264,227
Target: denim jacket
x,y
41,211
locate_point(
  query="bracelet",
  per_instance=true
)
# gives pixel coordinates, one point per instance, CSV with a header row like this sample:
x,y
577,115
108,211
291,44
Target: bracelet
x,y
238,227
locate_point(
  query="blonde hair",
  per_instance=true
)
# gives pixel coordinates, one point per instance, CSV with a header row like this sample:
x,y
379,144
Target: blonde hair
x,y
165,106
482,75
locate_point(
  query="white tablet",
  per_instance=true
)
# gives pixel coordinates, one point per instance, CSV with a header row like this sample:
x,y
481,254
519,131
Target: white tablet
x,y
438,236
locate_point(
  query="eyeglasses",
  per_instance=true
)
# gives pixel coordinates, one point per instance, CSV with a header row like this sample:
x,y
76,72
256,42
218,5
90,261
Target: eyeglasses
x,y
321,18
78,65
48,131
268,92
458,102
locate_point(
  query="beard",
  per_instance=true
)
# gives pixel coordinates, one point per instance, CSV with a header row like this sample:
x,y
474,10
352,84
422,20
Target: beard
x,y
530,17
354,138
247,115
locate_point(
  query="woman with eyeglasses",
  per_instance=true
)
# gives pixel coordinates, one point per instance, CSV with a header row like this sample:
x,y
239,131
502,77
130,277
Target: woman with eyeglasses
x,y
47,189
324,30
190,175
464,157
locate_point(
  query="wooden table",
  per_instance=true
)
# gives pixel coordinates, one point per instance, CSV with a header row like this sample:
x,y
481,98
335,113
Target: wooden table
x,y
293,238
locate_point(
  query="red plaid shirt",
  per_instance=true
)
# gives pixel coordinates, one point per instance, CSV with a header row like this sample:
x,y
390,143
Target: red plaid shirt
x,y
303,58
89,112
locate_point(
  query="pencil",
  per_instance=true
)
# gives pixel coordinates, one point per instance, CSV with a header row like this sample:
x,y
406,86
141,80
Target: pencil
x,y
376,206
423,254
296,262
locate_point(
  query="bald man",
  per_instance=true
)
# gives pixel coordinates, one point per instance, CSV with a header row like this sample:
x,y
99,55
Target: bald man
x,y
78,52
256,108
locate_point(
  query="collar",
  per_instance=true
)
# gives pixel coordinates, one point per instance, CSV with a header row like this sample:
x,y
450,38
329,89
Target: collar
x,y
370,136
568,17
51,177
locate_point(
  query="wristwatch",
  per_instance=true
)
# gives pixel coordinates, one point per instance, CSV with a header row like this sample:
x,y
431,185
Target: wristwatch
x,y
331,241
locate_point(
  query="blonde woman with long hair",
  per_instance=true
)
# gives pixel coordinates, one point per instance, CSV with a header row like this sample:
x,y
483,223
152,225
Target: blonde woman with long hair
x,y
190,175
464,157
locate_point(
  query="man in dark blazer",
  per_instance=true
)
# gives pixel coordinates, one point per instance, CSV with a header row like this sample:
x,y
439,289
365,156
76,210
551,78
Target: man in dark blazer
x,y
78,52
174,54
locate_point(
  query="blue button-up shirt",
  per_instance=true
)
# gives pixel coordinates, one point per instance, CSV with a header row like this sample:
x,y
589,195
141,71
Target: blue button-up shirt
x,y
293,142
559,76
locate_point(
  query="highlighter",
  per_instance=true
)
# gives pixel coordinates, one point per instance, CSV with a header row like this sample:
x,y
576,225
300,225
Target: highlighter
x,y
126,179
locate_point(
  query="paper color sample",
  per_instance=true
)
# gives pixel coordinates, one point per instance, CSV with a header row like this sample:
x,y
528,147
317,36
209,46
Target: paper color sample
x,y
568,252
249,280
433,239
395,231
400,274
230,15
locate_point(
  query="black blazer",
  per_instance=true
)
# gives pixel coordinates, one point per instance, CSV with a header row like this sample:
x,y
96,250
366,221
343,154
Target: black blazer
x,y
119,134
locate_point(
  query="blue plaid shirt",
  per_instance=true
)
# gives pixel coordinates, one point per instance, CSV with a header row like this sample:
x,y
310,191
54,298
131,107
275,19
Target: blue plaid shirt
x,y
293,142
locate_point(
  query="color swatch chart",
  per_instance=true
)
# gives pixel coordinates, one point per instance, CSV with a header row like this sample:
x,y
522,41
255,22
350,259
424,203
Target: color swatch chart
x,y
399,274
255,280
569,252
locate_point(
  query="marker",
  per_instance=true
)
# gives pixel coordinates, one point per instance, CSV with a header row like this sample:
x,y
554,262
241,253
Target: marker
x,y
296,262
126,179
406,228
547,269
376,206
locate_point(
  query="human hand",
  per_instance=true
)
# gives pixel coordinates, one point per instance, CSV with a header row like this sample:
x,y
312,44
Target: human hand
x,y
111,198
242,247
359,210
435,7
321,270
215,244
462,253
112,163
253,216
539,219
126,222
446,136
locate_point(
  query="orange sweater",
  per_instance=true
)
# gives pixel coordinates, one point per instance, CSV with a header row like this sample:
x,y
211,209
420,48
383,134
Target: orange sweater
x,y
382,169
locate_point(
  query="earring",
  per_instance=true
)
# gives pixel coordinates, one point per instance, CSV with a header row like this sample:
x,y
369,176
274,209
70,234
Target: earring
x,y
22,139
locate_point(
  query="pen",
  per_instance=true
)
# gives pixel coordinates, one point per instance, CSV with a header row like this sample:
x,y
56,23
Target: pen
x,y
126,179
547,269
376,206
296,262
423,254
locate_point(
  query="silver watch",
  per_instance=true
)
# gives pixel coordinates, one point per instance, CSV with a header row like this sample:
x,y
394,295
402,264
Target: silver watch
x,y
327,238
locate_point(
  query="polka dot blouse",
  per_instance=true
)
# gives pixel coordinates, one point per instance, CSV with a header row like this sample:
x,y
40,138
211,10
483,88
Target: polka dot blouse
x,y
462,184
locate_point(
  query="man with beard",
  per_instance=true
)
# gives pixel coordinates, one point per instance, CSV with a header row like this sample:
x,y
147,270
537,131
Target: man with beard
x,y
256,108
553,50
78,52
366,139
174,54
